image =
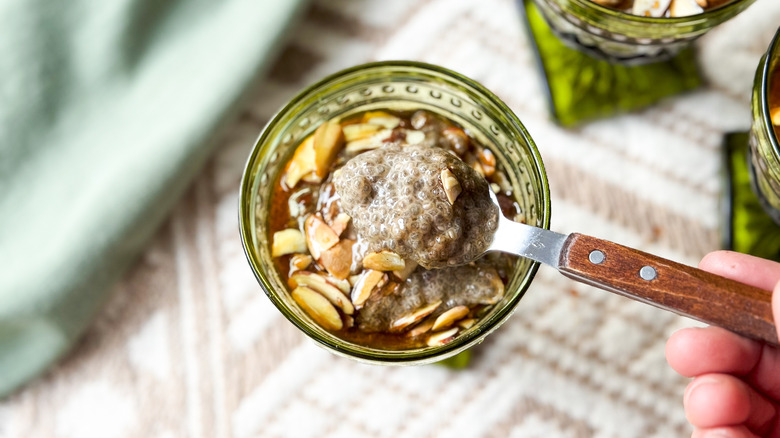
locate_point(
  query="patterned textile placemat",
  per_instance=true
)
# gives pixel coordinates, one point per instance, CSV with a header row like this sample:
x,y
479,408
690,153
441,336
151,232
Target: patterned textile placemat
x,y
188,346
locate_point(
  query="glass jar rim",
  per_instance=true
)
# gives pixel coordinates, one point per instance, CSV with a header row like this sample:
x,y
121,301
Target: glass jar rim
x,y
706,15
318,90
638,26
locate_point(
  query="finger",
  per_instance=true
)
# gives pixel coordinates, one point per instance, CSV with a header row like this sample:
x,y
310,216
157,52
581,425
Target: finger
x,y
717,400
696,351
744,268
723,432
766,374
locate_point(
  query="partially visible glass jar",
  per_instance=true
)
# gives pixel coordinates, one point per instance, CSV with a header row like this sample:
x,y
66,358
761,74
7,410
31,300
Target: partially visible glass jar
x,y
399,86
764,144
619,37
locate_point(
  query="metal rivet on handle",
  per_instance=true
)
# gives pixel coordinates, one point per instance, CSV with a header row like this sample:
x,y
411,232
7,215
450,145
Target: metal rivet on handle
x,y
596,257
648,273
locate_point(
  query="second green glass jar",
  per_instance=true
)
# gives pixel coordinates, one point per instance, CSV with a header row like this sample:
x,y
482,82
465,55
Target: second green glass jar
x,y
764,145
627,39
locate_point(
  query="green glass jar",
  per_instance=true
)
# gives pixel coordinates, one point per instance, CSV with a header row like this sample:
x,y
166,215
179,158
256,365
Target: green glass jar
x,y
400,86
627,39
764,144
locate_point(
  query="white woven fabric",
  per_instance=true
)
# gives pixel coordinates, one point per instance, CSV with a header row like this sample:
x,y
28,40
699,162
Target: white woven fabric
x,y
190,347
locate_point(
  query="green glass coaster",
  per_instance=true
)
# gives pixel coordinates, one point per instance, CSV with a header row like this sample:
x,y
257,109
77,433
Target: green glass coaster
x,y
584,88
457,362
748,229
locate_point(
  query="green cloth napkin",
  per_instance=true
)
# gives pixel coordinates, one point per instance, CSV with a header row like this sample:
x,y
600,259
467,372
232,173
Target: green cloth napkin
x,y
108,109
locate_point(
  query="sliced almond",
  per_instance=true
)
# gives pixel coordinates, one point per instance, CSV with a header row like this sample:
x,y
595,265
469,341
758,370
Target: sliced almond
x,y
383,261
449,317
451,185
316,306
328,141
774,114
366,283
501,179
382,119
338,259
360,130
368,143
301,164
319,284
466,324
288,241
457,138
702,3
342,285
409,267
413,317
311,178
442,338
650,8
340,223
319,236
422,328
300,261
684,8
487,160
414,137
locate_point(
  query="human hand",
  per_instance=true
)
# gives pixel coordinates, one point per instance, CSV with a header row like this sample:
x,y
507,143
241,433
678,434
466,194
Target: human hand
x,y
736,388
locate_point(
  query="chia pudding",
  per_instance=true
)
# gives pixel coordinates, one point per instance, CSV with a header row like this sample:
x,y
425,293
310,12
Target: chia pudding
x,y
375,222
398,202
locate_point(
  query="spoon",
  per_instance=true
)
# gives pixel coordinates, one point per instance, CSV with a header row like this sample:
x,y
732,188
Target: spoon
x,y
653,280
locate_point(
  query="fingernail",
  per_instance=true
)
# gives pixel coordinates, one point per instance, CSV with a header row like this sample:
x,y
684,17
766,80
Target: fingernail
x,y
697,383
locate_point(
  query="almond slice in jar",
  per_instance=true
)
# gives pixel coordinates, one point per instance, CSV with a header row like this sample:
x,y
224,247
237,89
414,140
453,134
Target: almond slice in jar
x,y
301,164
487,160
414,137
421,329
300,261
457,138
451,185
319,236
774,115
383,261
411,318
382,119
340,223
365,144
318,308
328,141
650,8
320,285
441,338
466,324
369,281
360,131
338,259
409,267
449,317
288,241
684,8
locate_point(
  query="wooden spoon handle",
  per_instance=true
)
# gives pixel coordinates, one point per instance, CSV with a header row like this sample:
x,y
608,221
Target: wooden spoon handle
x,y
682,289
